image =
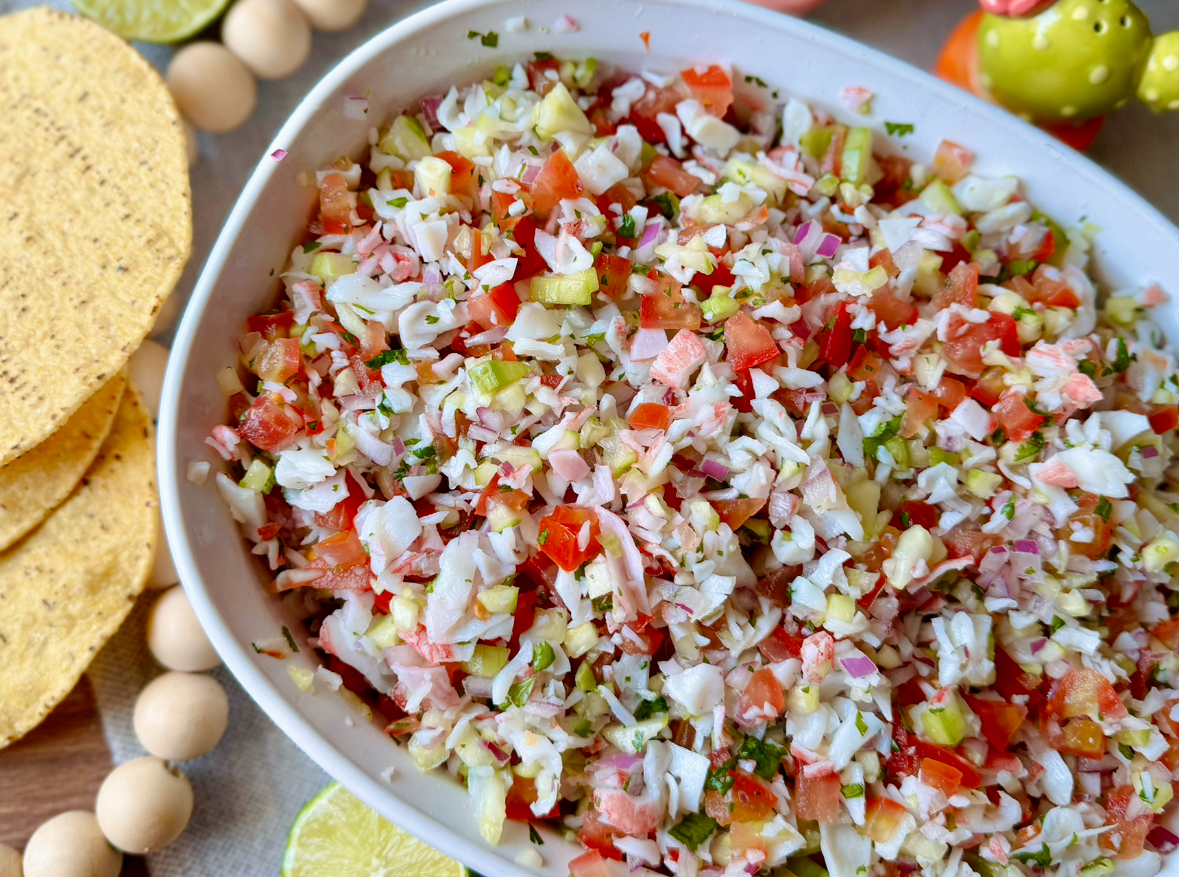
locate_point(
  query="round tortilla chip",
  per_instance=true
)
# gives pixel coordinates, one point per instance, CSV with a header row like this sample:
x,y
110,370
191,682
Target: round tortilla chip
x,y
36,482
67,586
96,224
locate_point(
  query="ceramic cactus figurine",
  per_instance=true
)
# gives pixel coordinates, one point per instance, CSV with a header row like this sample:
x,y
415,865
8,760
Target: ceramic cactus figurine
x,y
1064,63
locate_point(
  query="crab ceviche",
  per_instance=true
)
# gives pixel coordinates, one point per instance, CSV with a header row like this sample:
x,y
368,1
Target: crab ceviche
x,y
686,473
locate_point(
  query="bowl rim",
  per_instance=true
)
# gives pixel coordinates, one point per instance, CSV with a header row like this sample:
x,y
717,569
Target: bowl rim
x,y
237,658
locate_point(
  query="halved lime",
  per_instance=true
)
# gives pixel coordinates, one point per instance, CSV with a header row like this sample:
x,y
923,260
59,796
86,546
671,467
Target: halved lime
x,y
336,834
153,21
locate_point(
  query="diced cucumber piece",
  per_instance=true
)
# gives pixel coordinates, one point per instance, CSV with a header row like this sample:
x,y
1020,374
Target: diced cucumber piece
x,y
803,699
574,289
487,660
580,639
720,305
751,173
406,139
939,199
632,740
492,375
937,455
549,625
501,516
817,140
945,725
383,633
520,457
329,267
499,599
258,478
585,677
758,529
432,176
617,455
841,608
557,113
983,484
857,157
714,210
427,759
484,472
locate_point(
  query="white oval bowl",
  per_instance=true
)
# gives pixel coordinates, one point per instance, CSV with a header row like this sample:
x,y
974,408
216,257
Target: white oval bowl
x,y
427,53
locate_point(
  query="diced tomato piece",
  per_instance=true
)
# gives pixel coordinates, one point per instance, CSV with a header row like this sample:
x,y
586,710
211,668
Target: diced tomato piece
x,y
1088,518
864,365
560,531
652,637
916,513
735,512
836,341
1167,632
928,751
343,514
531,263
919,408
940,775
950,393
752,799
762,690
271,326
882,817
1017,420
883,259
720,276
591,864
280,361
748,343
747,839
667,173
1010,678
965,341
1165,419
960,287
617,194
780,645
1082,738
614,274
881,549
1000,719
665,308
462,174
557,181
521,796
1128,839
270,423
712,87
817,798
988,388
1085,692
951,162
645,111
342,550
501,202
497,307
650,415
891,189
335,205
542,74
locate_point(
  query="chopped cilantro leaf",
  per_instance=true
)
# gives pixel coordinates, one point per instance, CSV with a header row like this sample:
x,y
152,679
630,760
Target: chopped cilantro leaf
x,y
595,338
766,753
855,790
1043,858
861,725
899,129
398,202
311,246
1104,508
720,779
648,708
1122,362
290,639
519,693
859,336
756,80
543,56
1031,448
693,830
534,835
1020,267
543,537
1087,368
489,39
387,357
427,452
626,228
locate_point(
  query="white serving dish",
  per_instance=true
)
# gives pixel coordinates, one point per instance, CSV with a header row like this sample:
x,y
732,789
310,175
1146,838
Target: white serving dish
x,y
424,54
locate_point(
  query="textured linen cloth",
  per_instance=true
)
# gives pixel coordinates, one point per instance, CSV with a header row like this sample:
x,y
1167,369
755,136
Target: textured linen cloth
x,y
250,788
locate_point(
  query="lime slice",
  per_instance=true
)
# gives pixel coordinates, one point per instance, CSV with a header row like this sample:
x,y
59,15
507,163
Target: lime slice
x,y
153,21
336,834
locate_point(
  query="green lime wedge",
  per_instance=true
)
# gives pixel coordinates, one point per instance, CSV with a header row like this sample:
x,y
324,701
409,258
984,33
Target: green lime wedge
x,y
153,21
336,834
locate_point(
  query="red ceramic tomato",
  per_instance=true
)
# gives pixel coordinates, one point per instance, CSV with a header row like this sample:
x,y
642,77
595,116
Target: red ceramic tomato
x,y
748,343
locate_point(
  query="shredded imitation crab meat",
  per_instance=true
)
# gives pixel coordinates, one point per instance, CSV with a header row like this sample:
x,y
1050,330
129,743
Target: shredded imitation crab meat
x,y
681,470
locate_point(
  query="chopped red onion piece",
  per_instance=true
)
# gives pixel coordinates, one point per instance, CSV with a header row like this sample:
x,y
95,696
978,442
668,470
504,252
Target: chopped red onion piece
x,y
828,245
1162,840
430,106
278,154
1149,452
715,470
858,666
